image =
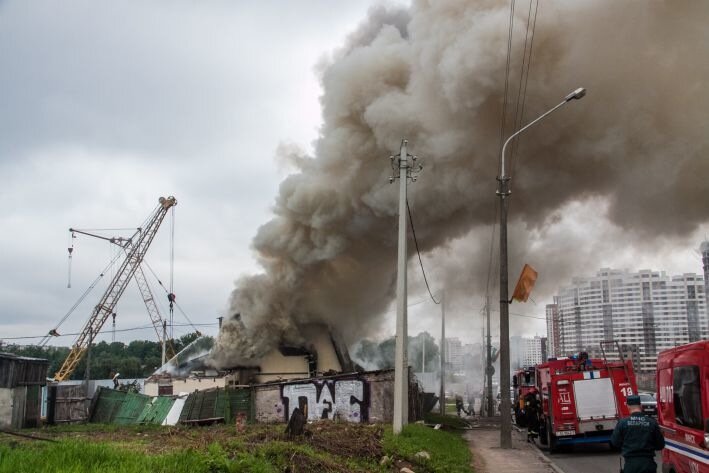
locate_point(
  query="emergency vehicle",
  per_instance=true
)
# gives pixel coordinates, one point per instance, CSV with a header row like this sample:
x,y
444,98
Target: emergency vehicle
x,y
683,407
522,383
582,399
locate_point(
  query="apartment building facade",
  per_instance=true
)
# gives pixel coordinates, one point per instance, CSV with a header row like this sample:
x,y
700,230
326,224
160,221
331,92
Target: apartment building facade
x,y
645,311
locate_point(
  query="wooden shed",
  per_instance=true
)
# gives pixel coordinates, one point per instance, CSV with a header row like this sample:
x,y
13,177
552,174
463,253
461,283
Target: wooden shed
x,y
21,381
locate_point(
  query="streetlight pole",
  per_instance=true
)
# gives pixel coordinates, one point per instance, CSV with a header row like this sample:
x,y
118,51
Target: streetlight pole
x,y
442,400
503,192
489,369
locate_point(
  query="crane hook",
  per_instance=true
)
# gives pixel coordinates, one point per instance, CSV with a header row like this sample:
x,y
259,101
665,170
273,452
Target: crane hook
x,y
71,250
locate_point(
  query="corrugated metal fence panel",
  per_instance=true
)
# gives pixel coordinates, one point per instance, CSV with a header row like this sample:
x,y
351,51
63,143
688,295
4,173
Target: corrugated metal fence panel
x,y
133,405
207,404
156,411
202,405
186,413
240,401
221,404
107,405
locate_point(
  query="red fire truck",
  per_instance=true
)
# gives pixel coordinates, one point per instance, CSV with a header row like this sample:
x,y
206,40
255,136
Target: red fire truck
x,y
683,407
582,399
523,383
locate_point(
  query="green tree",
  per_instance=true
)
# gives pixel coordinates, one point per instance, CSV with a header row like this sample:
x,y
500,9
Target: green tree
x,y
185,340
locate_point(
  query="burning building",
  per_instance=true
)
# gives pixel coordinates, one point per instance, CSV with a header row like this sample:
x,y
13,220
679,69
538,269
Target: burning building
x,y
320,353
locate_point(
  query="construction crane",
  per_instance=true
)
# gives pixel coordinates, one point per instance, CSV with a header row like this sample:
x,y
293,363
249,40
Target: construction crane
x,y
135,249
145,291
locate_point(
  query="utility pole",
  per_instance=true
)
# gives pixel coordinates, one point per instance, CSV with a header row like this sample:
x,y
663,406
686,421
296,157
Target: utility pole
x,y
164,341
442,401
87,373
489,369
423,354
401,367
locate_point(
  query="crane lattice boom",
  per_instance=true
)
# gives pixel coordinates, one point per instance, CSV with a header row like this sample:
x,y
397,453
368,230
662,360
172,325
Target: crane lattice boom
x,y
107,303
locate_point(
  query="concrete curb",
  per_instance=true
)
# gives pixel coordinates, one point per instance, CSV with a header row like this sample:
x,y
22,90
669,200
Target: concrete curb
x,y
540,453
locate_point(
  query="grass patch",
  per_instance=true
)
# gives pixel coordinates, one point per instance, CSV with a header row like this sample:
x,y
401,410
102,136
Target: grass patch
x,y
71,456
449,451
328,447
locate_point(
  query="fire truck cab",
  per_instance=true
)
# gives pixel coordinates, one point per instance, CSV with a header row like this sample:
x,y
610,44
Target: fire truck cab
x,y
683,407
582,399
523,382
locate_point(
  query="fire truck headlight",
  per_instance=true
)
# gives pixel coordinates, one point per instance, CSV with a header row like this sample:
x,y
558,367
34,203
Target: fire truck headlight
x,y
706,440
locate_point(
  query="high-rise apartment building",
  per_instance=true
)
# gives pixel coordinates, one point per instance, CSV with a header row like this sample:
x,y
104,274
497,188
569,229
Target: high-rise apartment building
x,y
704,250
646,311
532,351
454,354
553,329
526,351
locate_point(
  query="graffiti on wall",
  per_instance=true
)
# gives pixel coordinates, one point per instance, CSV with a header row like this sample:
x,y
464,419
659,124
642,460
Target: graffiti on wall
x,y
327,399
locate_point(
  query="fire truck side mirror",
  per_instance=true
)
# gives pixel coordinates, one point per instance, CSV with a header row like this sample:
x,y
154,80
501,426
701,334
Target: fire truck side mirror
x,y
514,382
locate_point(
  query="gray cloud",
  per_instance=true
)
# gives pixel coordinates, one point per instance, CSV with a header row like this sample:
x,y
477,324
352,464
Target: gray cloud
x,y
107,107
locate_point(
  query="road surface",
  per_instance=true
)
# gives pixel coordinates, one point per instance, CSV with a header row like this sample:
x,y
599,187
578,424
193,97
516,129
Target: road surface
x,y
589,459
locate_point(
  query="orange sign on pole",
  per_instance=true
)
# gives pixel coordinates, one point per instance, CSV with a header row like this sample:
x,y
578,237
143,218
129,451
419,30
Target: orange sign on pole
x,y
524,284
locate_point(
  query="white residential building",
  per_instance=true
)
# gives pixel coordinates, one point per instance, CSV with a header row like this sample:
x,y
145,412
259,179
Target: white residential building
x,y
454,354
647,311
553,329
532,351
525,351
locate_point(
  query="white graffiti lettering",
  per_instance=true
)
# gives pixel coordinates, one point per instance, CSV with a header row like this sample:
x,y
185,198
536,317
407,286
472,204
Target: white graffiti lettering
x,y
315,398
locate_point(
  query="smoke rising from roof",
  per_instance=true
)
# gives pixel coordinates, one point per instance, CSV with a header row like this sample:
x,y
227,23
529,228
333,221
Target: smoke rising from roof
x,y
434,74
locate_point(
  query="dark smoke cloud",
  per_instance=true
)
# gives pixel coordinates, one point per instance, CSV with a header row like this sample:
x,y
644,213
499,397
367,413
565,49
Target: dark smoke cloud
x,y
635,151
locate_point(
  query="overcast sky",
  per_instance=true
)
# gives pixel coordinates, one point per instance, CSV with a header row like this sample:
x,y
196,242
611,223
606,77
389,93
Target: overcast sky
x,y
106,107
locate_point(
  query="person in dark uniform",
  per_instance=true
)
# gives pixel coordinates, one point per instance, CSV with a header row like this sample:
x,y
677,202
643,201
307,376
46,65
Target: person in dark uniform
x,y
638,436
459,405
531,414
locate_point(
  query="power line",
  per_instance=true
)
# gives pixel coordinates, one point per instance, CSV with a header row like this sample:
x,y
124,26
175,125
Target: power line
x,y
413,232
521,315
145,327
507,73
524,74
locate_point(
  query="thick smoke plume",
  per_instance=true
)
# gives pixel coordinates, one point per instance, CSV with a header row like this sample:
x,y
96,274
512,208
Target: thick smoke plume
x,y
634,151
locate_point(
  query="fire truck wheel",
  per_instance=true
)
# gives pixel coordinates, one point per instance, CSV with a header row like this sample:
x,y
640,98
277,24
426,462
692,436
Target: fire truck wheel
x,y
551,439
543,434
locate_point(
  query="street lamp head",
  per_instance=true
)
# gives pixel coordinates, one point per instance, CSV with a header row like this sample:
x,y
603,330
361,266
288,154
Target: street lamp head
x,y
576,94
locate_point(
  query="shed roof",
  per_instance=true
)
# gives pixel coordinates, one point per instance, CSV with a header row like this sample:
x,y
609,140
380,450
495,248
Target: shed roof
x,y
22,371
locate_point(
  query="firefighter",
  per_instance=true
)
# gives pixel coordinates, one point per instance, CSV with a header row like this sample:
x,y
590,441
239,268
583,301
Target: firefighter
x,y
638,436
584,363
459,404
531,414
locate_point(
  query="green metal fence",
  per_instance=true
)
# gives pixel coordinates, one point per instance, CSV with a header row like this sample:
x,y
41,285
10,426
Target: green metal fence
x,y
213,405
155,411
118,407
